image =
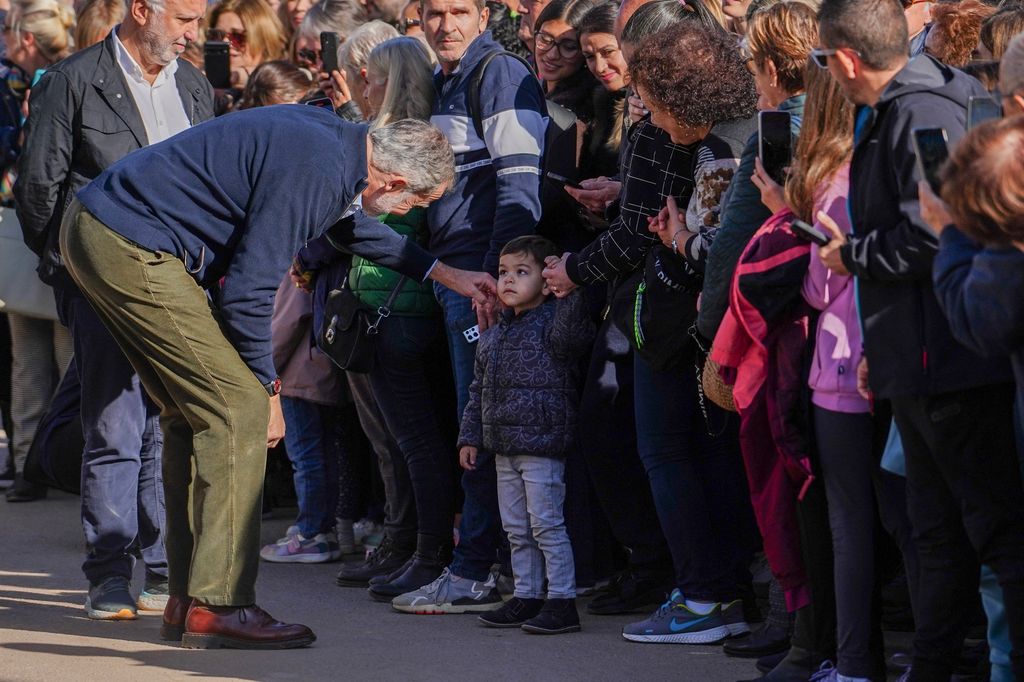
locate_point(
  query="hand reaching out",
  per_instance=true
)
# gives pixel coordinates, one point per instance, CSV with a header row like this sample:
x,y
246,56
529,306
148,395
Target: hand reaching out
x,y
556,276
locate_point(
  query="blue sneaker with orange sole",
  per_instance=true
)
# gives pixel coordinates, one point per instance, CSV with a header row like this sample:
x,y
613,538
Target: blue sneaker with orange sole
x,y
674,623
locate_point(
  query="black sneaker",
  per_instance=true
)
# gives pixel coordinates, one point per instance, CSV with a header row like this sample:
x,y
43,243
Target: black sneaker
x,y
110,599
512,613
386,559
24,491
558,616
630,592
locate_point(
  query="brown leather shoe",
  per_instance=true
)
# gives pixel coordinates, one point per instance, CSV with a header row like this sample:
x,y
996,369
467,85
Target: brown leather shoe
x,y
240,627
175,612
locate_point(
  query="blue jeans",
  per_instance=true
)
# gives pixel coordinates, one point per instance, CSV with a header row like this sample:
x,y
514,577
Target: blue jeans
x,y
531,491
313,439
697,480
407,384
480,530
122,482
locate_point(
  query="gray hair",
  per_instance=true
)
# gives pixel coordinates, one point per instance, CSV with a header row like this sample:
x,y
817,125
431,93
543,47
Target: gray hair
x,y
340,16
415,150
361,42
1011,68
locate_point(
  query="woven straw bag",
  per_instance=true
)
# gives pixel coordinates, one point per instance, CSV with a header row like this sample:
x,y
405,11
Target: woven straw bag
x,y
719,392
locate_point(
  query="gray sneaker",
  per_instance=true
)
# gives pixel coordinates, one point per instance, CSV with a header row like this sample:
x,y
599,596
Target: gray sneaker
x,y
155,594
450,594
110,600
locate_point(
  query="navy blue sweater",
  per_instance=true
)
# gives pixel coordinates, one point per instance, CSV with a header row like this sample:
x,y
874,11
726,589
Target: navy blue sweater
x,y
236,197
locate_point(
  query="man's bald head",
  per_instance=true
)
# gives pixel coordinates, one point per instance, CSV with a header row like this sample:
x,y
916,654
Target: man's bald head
x,y
1011,77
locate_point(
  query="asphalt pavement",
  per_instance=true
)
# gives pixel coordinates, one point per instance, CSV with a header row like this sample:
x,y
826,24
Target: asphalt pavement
x,y
44,634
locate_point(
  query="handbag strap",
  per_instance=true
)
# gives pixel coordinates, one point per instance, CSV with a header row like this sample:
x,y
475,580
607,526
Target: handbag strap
x,y
385,310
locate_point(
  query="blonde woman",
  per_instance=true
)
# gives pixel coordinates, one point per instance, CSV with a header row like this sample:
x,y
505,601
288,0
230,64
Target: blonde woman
x,y
95,20
252,31
37,33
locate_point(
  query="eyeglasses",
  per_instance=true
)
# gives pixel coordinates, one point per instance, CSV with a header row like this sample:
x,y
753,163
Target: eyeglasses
x,y
410,23
234,38
569,49
820,56
308,56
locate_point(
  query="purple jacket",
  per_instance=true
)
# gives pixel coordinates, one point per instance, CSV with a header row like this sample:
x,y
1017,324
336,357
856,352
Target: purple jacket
x,y
838,345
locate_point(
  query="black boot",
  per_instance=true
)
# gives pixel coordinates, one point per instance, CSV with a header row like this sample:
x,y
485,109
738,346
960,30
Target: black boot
x,y
384,560
428,562
512,613
24,491
393,575
632,592
762,642
556,617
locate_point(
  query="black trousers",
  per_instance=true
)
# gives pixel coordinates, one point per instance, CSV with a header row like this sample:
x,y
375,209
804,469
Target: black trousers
x,y
608,442
964,496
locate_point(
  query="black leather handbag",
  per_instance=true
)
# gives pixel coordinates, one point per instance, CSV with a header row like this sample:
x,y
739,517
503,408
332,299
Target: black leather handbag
x,y
349,333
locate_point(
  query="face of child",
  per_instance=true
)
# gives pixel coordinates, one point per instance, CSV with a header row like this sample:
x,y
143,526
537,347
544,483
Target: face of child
x,y
520,285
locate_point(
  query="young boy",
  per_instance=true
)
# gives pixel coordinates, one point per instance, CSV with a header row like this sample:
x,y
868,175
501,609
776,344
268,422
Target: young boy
x,y
522,407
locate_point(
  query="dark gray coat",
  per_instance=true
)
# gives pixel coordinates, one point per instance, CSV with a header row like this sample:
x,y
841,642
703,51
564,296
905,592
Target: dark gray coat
x,y
524,398
82,119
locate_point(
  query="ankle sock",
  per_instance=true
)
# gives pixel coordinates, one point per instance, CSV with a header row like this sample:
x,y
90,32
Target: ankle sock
x,y
701,608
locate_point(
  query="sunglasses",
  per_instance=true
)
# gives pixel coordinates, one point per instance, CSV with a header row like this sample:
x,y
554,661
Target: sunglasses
x,y
820,56
308,56
236,39
569,49
409,23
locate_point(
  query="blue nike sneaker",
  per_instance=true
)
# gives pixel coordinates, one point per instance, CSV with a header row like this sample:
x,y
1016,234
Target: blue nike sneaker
x,y
674,623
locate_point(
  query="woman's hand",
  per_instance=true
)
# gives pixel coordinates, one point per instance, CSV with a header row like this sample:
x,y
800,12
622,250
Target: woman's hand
x,y
637,110
668,223
557,277
301,278
772,194
335,86
595,194
240,76
829,254
933,209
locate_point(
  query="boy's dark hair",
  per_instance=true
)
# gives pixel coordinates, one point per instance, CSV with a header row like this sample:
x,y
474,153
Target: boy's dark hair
x,y
535,246
877,29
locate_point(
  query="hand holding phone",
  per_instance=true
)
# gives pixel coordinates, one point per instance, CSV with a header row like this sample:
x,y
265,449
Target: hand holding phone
x,y
561,180
329,42
217,63
981,109
775,143
810,233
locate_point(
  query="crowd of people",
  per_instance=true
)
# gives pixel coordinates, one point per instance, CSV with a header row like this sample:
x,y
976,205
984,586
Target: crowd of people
x,y
605,346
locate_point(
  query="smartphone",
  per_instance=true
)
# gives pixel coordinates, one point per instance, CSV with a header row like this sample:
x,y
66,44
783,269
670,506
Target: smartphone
x,y
561,180
321,102
329,43
980,109
932,148
810,233
217,63
775,143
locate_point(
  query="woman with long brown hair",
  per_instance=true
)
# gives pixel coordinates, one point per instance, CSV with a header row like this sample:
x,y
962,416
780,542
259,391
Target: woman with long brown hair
x,y
849,433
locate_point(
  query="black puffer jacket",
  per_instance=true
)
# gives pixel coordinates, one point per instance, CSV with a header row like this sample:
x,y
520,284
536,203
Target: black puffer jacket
x,y
524,398
907,340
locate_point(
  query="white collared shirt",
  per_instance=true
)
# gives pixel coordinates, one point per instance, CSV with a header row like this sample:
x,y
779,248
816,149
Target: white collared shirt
x,y
159,104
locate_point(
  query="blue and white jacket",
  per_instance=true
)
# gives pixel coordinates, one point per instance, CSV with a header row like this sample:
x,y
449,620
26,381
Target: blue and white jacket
x,y
496,197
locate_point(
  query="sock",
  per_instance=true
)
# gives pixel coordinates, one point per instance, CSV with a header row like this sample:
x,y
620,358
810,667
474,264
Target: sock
x,y
702,608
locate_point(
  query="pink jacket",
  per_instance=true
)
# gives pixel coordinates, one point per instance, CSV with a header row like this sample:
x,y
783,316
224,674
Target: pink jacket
x,y
305,372
838,346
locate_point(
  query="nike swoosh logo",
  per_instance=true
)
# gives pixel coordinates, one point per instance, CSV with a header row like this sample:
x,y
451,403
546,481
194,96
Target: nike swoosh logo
x,y
680,627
